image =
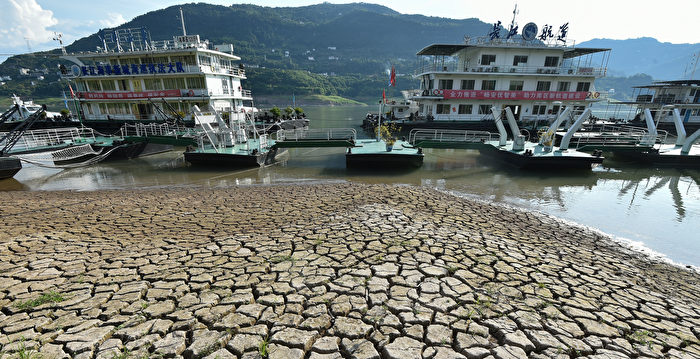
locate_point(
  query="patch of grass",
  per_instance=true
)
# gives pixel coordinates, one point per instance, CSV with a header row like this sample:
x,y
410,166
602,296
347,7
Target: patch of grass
x,y
263,350
144,305
124,354
642,337
541,285
50,297
452,269
280,259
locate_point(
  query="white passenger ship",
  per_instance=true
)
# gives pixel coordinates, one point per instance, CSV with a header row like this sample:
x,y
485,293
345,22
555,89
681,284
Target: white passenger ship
x,y
681,95
131,79
534,76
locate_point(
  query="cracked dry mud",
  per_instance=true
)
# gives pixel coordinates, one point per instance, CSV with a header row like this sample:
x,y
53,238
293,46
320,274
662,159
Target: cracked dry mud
x,y
325,271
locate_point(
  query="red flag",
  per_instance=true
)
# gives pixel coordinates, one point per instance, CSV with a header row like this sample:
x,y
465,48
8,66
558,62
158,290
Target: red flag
x,y
383,96
392,78
72,94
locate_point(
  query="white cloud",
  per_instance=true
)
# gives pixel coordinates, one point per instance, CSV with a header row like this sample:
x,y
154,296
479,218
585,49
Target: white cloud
x,y
113,20
25,19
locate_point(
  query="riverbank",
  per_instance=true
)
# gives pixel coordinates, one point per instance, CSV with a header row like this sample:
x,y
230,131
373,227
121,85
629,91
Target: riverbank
x,y
364,270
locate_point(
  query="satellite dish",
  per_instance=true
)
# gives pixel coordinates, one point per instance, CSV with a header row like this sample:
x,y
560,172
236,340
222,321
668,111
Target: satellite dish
x,y
529,31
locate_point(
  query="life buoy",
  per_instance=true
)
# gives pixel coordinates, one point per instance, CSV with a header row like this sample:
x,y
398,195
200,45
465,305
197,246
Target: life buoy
x,y
190,93
436,92
596,94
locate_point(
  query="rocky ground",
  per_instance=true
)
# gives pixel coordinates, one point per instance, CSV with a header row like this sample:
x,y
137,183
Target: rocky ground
x,y
324,271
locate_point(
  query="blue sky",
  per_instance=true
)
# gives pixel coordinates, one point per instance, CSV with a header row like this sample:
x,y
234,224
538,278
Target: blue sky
x,y
32,23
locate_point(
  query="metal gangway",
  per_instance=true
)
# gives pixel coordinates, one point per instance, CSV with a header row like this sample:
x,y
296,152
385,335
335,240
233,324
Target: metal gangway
x,y
615,137
160,133
445,138
317,137
50,139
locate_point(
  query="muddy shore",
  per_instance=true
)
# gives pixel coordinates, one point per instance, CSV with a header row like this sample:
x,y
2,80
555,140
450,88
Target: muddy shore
x,y
325,271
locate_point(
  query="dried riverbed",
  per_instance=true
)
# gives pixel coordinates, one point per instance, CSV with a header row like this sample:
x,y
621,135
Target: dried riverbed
x,y
325,271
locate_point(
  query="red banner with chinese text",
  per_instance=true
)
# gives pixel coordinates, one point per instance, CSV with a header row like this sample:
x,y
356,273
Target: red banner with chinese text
x,y
128,95
511,95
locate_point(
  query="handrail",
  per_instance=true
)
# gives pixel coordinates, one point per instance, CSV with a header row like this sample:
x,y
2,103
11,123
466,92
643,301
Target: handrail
x,y
616,135
444,135
318,134
509,69
52,137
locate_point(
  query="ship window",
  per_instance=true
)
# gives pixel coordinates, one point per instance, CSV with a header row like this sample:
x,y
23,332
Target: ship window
x,y
539,109
123,85
224,86
551,61
445,84
173,83
442,109
488,59
488,84
683,112
519,59
563,86
543,85
484,109
108,85
152,84
465,109
204,60
94,85
195,83
467,85
555,109
583,86
516,86
80,85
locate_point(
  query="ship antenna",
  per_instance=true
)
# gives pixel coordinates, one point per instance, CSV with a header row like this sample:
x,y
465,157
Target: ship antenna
x,y
515,12
182,19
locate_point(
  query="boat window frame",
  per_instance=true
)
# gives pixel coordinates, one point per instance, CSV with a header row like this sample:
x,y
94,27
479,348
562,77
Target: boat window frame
x,y
517,87
518,59
483,82
543,86
468,109
491,57
549,59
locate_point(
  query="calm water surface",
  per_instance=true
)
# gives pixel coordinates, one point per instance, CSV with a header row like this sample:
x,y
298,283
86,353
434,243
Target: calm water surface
x,y
658,210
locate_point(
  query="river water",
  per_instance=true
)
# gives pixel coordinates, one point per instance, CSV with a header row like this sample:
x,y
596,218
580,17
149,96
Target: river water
x,y
654,210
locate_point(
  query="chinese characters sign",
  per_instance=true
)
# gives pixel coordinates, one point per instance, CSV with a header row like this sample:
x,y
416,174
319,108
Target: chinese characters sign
x,y
133,69
512,95
131,95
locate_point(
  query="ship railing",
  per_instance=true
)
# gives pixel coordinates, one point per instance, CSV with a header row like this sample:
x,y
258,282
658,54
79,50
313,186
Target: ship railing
x,y
51,137
156,129
320,134
461,67
617,135
443,135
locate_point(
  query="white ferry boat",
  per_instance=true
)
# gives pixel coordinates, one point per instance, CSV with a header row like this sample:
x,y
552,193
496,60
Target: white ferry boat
x,y
683,95
131,79
21,110
534,76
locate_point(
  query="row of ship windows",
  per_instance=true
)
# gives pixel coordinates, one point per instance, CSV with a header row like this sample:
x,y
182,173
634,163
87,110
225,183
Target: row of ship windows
x,y
515,85
185,60
549,61
146,85
464,109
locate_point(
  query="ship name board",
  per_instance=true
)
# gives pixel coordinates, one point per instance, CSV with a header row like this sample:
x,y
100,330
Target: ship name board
x,y
512,95
132,69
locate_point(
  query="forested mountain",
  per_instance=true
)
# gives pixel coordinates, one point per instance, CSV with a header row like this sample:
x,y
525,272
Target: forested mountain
x,y
660,60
